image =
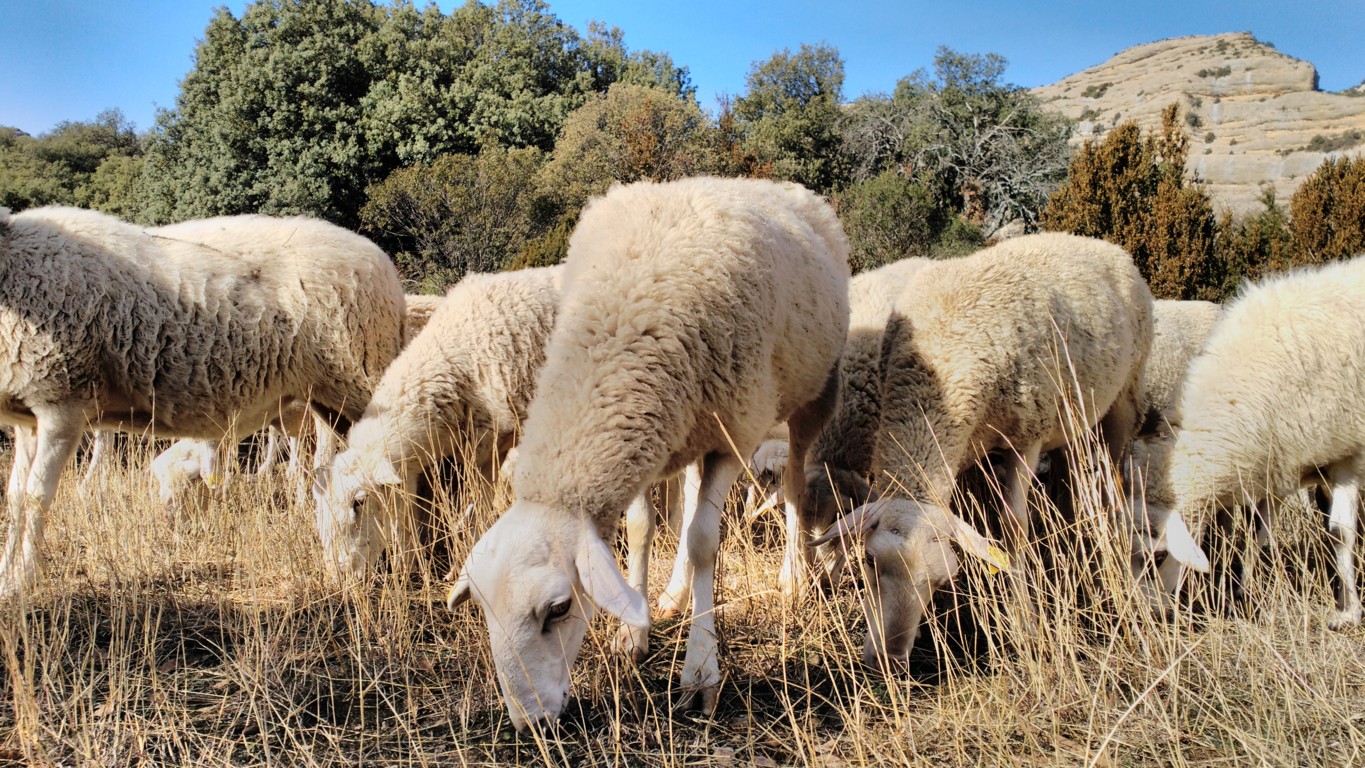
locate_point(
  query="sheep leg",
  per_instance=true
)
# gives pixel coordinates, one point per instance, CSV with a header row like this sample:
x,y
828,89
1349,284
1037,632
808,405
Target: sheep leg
x,y
803,427
272,452
294,468
1019,468
1341,528
634,641
24,444
59,432
701,530
678,591
673,502
99,452
1260,539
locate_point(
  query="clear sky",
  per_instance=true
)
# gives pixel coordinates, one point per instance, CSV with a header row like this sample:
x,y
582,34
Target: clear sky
x,y
69,59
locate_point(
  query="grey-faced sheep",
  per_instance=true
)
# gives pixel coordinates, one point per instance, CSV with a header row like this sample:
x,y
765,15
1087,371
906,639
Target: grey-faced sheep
x,y
1276,400
201,329
989,353
466,379
695,315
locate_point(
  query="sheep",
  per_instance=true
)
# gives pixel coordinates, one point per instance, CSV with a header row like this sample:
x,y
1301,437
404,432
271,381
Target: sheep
x,y
202,329
292,425
988,353
184,474
468,377
1273,403
1179,329
695,315
837,469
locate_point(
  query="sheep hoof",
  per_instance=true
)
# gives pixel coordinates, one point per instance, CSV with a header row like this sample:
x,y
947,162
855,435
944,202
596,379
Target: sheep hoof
x,y
632,642
670,605
1344,619
701,701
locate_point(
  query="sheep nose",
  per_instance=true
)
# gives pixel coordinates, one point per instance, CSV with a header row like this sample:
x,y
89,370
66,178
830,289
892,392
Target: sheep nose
x,y
543,725
888,663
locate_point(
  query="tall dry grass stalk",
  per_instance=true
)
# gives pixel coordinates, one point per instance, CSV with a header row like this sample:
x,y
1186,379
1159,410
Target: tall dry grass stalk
x,y
221,643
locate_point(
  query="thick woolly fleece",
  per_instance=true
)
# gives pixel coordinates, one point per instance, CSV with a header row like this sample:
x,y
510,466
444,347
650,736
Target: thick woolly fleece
x,y
197,329
988,352
695,314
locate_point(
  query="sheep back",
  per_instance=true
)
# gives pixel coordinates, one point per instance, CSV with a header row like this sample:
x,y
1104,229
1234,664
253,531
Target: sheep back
x,y
1277,391
972,359
1179,330
695,314
846,444
473,366
190,327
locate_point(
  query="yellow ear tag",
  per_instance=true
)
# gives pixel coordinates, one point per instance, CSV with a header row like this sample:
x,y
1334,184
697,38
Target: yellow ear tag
x,y
996,560
212,481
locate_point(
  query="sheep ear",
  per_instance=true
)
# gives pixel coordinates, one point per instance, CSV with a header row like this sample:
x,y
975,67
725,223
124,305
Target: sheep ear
x,y
459,592
775,499
602,579
1181,545
973,543
383,473
855,523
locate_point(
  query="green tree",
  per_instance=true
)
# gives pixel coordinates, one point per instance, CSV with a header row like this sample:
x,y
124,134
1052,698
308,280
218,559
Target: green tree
x,y
990,145
458,214
889,217
1250,247
1327,213
82,163
1131,189
788,118
631,133
300,105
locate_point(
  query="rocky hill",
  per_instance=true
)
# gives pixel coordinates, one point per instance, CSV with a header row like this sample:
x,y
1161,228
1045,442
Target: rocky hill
x,y
1254,114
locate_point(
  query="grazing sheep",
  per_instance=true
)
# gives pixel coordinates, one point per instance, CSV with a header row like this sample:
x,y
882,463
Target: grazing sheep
x,y
987,353
695,315
1274,401
185,473
1179,330
465,381
293,425
836,471
419,309
203,329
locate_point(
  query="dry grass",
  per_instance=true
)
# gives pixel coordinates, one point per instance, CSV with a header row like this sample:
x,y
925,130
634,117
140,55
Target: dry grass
x,y
223,646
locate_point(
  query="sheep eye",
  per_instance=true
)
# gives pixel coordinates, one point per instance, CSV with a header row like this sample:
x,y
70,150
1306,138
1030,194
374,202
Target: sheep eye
x,y
556,612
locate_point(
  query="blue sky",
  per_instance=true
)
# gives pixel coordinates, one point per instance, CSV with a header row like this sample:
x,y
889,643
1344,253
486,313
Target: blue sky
x,y
69,59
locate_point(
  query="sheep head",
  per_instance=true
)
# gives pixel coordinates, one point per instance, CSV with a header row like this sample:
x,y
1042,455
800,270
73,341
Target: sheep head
x,y
353,499
908,555
539,575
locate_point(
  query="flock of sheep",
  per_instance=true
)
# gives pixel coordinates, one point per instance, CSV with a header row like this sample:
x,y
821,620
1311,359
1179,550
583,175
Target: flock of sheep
x,y
695,324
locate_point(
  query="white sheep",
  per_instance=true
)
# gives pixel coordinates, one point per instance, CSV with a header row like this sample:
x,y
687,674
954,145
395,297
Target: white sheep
x,y
1275,400
989,353
1179,330
202,329
464,382
293,426
837,469
695,315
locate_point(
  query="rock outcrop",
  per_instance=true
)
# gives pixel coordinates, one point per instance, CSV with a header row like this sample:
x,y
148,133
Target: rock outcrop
x,y
1254,115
